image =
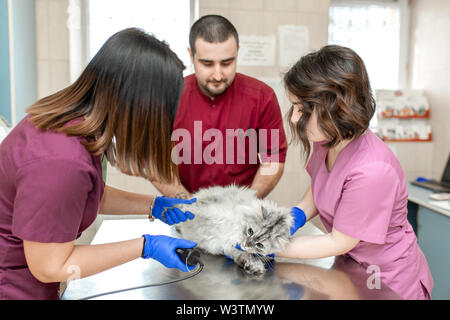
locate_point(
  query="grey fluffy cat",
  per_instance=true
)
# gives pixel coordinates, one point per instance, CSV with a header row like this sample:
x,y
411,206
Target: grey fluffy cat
x,y
226,216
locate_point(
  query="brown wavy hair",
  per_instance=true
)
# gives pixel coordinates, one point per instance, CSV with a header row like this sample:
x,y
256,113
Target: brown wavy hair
x,y
127,98
334,82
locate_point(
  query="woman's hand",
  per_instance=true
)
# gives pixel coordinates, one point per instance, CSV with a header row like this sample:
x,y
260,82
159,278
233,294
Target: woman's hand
x,y
299,219
162,248
164,210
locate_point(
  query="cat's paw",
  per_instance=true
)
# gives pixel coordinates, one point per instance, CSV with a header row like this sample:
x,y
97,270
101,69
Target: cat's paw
x,y
254,267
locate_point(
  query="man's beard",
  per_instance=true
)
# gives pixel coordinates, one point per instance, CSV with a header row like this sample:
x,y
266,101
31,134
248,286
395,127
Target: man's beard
x,y
213,91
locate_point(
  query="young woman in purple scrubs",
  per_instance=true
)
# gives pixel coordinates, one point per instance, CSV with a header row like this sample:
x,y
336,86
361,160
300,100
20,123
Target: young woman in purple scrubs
x,y
358,187
122,107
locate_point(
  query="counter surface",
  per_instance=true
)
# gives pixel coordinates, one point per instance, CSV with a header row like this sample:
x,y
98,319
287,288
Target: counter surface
x,y
221,279
420,196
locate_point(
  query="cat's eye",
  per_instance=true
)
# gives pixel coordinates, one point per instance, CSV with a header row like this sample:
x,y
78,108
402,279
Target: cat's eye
x,y
250,231
260,245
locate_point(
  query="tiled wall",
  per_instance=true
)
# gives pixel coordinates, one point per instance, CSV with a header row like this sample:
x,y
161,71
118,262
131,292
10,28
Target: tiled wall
x,y
52,38
263,17
430,71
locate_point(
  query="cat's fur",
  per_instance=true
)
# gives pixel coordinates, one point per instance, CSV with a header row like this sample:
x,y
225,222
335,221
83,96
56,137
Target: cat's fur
x,y
226,216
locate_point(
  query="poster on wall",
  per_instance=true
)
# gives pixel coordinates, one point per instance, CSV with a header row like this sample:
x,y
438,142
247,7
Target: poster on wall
x,y
256,51
293,44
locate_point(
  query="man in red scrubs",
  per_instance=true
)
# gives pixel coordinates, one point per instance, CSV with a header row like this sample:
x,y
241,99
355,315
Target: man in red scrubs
x,y
228,128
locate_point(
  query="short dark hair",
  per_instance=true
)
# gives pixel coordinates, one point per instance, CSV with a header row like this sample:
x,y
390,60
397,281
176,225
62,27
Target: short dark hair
x,y
212,28
334,81
128,95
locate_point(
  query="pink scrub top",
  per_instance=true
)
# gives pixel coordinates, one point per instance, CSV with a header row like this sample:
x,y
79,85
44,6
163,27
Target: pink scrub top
x,y
365,197
50,191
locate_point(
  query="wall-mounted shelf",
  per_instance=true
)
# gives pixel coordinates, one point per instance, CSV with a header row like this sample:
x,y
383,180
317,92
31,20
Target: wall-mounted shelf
x,y
403,116
389,115
408,140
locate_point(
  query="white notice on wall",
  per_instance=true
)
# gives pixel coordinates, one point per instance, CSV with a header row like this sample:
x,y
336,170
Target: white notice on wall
x,y
256,51
294,43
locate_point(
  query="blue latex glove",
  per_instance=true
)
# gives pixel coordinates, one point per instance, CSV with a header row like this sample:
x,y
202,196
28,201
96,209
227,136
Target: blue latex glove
x,y
420,179
171,215
299,219
294,290
267,263
162,248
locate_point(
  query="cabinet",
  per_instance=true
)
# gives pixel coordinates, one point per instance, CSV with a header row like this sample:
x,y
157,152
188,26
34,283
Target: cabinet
x,y
432,225
434,240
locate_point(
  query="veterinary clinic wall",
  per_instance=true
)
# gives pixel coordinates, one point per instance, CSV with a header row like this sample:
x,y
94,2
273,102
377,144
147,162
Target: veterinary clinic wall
x,y
52,40
429,69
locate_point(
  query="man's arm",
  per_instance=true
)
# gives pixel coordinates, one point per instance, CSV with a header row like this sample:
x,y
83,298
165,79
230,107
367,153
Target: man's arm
x,y
266,178
174,190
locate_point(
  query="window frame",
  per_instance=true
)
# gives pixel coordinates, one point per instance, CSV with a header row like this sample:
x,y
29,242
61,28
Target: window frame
x,y
79,33
404,11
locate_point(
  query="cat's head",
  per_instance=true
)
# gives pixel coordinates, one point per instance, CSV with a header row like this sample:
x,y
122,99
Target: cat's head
x,y
267,230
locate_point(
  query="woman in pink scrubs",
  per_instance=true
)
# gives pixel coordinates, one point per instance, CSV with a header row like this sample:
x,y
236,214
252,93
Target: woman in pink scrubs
x,y
358,187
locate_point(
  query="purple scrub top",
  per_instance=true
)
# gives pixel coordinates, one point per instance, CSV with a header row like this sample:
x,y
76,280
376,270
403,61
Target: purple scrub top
x,y
50,191
365,197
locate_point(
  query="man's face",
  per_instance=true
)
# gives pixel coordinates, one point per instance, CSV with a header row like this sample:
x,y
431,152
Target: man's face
x,y
215,65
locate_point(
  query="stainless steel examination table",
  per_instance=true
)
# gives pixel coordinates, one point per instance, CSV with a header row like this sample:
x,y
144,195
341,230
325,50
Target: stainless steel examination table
x,y
330,278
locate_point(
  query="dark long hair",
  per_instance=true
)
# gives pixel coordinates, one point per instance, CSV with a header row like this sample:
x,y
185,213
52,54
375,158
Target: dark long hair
x,y
128,95
334,81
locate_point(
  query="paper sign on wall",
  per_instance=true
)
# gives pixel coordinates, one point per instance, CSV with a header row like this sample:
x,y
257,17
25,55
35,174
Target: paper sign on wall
x,y
294,43
256,51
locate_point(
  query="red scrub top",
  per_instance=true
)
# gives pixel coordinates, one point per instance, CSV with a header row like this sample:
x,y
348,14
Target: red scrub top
x,y
218,141
50,191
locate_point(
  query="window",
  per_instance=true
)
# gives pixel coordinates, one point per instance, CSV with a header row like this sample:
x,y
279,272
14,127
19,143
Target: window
x,y
167,20
374,30
378,31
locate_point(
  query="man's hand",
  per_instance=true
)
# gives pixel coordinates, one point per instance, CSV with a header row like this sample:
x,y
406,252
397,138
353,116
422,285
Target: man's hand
x,y
164,210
